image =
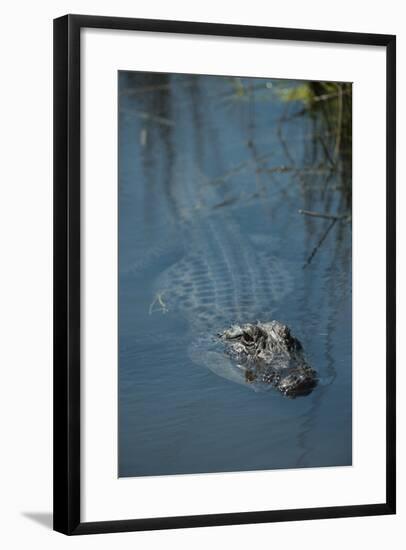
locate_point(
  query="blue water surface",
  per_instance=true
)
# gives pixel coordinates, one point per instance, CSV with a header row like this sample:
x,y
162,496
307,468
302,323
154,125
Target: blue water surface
x,y
199,147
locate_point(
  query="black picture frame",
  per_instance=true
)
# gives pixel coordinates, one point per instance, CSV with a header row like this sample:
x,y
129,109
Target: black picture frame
x,y
67,263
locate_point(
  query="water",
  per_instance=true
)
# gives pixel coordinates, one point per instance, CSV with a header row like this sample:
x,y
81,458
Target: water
x,y
217,168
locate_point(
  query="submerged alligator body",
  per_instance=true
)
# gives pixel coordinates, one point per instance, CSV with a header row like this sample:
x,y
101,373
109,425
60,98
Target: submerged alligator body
x,y
231,278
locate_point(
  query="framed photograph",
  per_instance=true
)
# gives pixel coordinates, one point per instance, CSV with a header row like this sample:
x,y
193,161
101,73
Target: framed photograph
x,y
224,274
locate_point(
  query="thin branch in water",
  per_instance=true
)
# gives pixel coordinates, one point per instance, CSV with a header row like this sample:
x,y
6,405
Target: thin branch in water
x,y
324,215
147,116
326,151
158,304
318,245
144,89
325,97
279,132
240,168
316,170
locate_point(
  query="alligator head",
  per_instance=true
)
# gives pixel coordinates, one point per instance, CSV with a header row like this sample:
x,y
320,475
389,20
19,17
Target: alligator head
x,y
271,355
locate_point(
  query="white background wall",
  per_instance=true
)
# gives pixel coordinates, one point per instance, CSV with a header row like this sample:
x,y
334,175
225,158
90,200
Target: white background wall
x,y
26,254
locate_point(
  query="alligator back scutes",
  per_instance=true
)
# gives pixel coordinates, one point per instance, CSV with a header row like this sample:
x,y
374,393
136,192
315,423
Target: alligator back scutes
x,y
223,279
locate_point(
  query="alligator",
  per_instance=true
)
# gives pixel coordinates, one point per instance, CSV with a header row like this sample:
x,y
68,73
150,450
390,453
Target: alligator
x,y
227,278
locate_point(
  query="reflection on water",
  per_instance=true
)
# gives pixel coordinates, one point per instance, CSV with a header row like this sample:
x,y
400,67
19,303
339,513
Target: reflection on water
x,y
234,205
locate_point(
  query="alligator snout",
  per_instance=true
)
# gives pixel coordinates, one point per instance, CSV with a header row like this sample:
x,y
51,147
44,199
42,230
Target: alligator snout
x,y
298,383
